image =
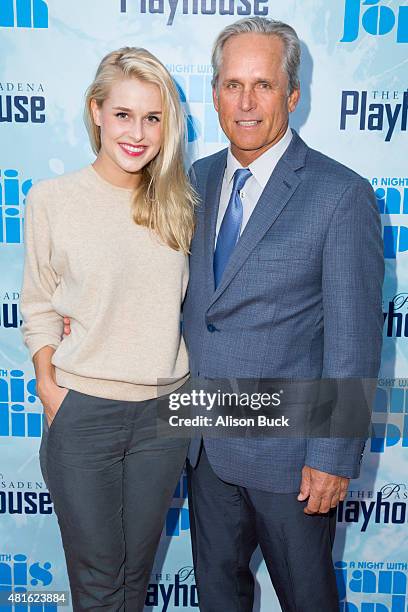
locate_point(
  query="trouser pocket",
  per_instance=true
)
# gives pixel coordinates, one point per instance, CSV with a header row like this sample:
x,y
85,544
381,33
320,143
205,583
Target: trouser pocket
x,y
59,411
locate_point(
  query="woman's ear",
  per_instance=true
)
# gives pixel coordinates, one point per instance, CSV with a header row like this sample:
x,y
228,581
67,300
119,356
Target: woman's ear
x,y
96,112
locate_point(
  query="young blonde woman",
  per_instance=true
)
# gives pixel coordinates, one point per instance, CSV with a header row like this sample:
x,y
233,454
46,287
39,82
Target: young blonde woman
x,y
107,246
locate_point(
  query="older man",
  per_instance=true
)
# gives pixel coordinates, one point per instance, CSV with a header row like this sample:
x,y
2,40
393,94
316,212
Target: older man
x,y
285,281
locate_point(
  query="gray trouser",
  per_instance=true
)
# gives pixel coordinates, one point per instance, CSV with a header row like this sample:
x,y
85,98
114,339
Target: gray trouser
x,y
227,524
111,479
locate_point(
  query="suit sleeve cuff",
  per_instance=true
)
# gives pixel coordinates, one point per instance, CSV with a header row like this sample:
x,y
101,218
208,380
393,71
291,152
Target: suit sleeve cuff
x,y
337,456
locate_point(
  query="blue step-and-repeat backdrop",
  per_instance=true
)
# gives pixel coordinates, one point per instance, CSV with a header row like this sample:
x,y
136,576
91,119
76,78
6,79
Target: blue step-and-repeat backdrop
x,y
354,108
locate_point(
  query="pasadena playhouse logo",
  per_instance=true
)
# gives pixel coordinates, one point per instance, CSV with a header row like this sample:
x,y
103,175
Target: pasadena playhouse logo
x,y
395,316
169,591
18,497
13,192
23,14
22,102
375,17
21,412
239,8
388,506
371,586
375,111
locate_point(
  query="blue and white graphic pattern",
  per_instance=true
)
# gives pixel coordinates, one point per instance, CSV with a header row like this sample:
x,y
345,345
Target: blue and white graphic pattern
x,y
354,107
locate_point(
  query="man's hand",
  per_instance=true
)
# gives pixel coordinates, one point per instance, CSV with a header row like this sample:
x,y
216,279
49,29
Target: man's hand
x,y
51,396
323,490
67,326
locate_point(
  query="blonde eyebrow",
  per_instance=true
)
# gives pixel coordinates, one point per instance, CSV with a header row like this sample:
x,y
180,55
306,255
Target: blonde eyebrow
x,y
129,110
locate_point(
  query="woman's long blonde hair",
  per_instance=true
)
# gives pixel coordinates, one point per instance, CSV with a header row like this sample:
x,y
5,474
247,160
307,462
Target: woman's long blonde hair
x,y
164,201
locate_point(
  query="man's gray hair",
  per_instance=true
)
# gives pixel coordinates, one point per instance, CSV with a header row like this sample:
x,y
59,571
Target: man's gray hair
x,y
261,25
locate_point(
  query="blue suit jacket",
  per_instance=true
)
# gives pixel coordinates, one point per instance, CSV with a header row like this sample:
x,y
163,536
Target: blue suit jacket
x,y
300,298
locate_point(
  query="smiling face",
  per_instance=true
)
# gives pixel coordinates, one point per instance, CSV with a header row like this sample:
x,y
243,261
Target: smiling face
x,y
251,94
131,134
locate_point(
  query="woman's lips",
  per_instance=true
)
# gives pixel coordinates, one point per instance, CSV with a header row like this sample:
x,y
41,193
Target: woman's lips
x,y
132,150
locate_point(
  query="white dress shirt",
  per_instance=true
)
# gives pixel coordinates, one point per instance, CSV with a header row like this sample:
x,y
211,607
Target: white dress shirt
x,y
261,169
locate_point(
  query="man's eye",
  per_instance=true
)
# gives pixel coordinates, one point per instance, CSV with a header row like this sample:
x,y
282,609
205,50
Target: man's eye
x,y
232,85
264,85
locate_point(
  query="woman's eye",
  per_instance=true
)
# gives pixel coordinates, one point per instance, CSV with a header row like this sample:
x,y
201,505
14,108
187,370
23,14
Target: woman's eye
x,y
153,119
122,115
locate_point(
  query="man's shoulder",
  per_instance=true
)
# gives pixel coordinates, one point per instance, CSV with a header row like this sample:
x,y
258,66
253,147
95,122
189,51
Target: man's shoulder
x,y
331,181
202,166
328,169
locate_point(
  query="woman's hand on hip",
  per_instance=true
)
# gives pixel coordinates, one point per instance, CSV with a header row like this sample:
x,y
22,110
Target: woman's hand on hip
x,y
51,398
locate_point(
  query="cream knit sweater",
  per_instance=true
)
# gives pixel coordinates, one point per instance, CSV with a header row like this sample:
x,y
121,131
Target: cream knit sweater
x,y
121,287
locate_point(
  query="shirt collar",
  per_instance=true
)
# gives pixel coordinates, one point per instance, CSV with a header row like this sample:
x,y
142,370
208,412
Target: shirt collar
x,y
263,166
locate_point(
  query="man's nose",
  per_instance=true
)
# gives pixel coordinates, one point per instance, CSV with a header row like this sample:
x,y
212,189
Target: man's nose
x,y
248,100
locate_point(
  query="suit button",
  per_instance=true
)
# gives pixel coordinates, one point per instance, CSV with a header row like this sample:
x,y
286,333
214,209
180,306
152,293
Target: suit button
x,y
211,328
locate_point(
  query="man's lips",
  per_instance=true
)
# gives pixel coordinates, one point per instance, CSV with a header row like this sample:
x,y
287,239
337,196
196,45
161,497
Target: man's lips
x,y
132,150
248,123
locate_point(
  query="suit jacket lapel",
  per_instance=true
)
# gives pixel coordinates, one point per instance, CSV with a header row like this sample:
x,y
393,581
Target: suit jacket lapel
x,y
212,199
282,184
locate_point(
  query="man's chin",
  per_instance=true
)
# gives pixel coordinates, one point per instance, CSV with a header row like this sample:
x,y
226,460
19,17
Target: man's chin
x,y
249,146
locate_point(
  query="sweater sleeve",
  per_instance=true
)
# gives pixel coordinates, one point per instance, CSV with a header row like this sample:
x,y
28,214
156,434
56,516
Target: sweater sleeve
x,y
42,324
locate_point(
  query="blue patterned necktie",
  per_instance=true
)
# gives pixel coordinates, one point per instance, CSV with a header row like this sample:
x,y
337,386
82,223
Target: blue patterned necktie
x,y
230,226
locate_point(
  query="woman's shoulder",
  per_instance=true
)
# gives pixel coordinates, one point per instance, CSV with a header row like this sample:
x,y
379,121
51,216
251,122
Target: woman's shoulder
x,y
53,190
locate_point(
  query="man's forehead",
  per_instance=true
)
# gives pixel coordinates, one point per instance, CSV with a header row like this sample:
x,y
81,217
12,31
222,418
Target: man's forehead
x,y
249,53
257,64
255,41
